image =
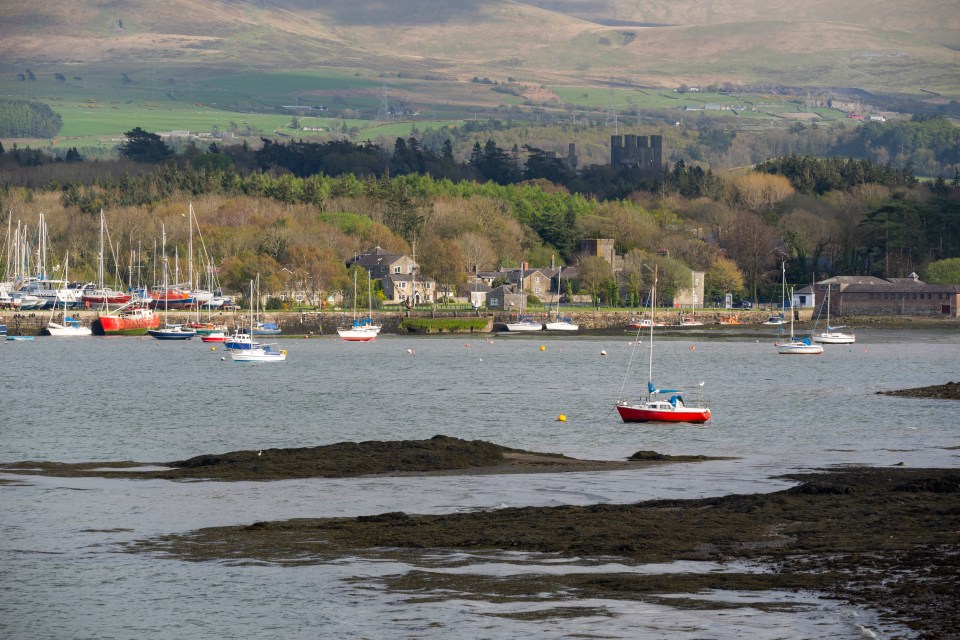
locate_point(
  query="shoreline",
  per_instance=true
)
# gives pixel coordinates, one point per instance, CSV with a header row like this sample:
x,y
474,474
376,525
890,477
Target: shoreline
x,y
592,323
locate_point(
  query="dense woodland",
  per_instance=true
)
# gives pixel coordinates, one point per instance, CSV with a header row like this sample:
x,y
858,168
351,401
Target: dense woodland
x,y
294,212
24,119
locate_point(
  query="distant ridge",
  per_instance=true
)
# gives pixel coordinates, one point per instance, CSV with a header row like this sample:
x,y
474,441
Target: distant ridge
x,y
860,43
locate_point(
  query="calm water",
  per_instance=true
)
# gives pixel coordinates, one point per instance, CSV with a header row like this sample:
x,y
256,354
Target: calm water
x,y
61,575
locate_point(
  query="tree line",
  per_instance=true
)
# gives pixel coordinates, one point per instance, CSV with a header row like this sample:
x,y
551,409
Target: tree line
x,y
317,204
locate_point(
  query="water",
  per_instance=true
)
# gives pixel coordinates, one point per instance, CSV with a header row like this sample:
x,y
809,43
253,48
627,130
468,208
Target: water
x,y
62,575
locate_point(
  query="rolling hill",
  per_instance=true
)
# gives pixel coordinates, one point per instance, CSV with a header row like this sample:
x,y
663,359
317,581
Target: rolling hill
x,y
883,48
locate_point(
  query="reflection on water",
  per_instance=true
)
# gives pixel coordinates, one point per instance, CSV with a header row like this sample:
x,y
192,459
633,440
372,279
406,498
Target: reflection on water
x,y
128,399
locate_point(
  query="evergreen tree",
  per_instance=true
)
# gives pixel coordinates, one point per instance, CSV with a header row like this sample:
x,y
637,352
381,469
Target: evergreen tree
x,y
143,146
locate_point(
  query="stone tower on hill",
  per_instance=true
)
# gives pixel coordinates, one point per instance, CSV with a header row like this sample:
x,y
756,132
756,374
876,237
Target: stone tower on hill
x,y
645,152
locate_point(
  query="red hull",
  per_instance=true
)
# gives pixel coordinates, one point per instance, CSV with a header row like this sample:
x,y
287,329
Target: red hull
x,y
639,414
95,300
129,323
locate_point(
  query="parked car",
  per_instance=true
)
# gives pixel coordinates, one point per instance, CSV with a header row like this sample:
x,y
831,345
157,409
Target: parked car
x,y
744,304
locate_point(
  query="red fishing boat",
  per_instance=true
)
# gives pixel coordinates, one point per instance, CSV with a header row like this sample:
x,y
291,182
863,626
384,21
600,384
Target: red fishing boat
x,y
132,320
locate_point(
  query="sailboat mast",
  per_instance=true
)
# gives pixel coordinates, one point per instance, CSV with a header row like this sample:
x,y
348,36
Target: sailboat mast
x,y
653,306
100,282
190,249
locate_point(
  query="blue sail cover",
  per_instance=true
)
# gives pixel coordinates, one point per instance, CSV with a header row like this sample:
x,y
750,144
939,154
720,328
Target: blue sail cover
x,y
653,389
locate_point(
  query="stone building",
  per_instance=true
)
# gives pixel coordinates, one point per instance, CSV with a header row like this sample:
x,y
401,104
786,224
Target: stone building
x,y
645,152
870,296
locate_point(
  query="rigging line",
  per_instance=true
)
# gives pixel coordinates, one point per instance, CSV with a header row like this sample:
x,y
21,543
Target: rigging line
x,y
626,373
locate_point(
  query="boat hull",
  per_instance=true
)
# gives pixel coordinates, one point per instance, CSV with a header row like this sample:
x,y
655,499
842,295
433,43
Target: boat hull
x,y
641,413
835,338
357,335
799,349
561,326
266,353
127,325
524,326
171,334
71,330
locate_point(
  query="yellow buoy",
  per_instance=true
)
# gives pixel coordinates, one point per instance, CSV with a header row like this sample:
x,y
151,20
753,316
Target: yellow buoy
x,y
213,348
542,348
561,418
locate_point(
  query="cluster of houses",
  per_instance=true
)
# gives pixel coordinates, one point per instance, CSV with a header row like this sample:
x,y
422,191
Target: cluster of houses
x,y
507,289
403,284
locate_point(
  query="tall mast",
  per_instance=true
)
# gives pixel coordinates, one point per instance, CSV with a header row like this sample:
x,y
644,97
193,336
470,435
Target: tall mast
x,y
190,248
653,306
100,282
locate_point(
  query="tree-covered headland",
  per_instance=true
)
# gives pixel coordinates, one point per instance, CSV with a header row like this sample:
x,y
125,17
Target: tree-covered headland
x,y
299,210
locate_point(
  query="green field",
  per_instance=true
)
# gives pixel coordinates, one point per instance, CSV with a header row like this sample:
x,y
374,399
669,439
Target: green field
x,y
97,109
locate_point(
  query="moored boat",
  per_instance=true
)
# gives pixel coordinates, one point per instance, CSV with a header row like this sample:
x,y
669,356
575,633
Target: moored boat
x,y
69,327
358,333
261,353
795,345
525,323
130,320
670,408
172,332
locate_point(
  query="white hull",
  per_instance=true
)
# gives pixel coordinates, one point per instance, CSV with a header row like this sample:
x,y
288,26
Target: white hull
x,y
268,353
561,325
835,338
524,326
799,348
55,329
358,334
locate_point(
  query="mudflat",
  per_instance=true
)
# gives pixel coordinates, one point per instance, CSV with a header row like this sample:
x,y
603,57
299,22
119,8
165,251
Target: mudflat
x,y
887,538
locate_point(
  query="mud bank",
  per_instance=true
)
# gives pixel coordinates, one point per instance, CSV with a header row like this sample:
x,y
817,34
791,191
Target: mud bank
x,y
886,538
437,456
948,391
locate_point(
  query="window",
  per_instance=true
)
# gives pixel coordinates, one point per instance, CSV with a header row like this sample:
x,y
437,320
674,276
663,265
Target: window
x,y
396,269
401,285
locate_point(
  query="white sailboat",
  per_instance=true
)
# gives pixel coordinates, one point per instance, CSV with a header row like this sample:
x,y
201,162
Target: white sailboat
x,y
70,327
797,346
524,323
558,323
256,351
833,335
359,330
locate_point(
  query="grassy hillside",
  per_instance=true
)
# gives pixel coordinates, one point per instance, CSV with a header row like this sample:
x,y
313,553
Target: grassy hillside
x,y
191,64
890,46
